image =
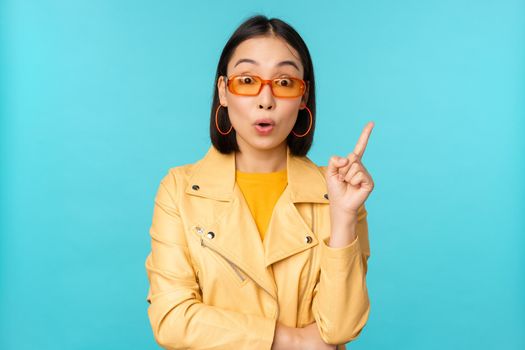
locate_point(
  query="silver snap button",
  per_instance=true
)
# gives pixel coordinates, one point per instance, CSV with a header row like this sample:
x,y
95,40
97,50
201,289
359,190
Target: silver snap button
x,y
308,239
199,230
210,235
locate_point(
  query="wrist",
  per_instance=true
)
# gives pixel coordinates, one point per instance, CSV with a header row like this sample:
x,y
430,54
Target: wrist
x,y
286,338
338,215
343,233
296,338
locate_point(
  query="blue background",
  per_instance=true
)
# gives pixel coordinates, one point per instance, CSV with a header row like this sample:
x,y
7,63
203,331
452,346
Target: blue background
x,y
99,99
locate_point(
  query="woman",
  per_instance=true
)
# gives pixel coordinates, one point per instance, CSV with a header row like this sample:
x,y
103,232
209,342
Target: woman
x,y
254,246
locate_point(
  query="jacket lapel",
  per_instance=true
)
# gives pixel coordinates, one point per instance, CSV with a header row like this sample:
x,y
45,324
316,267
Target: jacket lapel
x,y
287,232
236,235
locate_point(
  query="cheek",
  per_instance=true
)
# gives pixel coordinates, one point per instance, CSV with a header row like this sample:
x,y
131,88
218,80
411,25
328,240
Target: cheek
x,y
239,111
290,112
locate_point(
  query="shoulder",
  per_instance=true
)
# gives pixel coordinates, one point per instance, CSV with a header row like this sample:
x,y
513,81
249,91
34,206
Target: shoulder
x,y
180,172
176,178
322,169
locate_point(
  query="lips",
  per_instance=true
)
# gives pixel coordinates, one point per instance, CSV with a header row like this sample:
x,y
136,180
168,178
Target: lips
x,y
264,126
264,122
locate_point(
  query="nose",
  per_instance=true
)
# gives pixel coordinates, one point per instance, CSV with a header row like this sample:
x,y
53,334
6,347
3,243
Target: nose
x,y
266,99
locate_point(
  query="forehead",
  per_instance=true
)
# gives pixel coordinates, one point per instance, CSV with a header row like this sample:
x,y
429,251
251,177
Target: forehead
x,y
269,54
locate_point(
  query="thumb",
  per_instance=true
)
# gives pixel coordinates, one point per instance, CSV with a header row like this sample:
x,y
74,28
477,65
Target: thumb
x,y
334,164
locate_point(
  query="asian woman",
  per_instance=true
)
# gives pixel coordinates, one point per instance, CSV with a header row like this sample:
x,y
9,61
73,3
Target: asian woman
x,y
254,246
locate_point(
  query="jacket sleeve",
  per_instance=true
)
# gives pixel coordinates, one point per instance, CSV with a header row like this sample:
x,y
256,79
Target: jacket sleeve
x,y
178,317
340,298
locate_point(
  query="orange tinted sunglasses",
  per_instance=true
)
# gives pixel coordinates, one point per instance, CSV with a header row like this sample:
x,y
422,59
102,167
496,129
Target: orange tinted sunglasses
x,y
251,85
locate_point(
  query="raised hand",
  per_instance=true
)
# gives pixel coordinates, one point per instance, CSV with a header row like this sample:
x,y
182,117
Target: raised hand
x,y
349,183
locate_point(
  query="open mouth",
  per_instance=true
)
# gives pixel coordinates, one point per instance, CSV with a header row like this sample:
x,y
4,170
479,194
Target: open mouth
x,y
264,128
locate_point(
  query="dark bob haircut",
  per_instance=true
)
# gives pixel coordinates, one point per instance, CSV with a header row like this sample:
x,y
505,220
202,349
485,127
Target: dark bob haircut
x,y
258,26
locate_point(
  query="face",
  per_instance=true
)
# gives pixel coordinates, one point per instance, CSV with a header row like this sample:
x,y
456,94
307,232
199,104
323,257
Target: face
x,y
261,56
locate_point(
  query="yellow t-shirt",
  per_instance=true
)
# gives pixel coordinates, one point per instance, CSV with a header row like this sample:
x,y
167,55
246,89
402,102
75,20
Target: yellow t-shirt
x,y
261,191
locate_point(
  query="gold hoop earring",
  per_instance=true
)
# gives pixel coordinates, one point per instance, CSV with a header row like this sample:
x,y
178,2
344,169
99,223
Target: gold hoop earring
x,y
217,122
309,127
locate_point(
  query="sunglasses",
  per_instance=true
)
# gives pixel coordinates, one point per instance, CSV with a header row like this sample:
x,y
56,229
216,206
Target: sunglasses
x,y
251,85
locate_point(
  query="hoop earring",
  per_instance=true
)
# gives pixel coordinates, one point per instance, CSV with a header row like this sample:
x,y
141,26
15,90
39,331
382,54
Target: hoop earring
x,y
217,122
309,127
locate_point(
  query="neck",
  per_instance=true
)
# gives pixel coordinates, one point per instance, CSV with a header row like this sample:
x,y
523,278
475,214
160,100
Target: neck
x,y
256,160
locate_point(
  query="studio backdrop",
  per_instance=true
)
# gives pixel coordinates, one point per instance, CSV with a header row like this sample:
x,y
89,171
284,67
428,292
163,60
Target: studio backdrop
x,y
99,99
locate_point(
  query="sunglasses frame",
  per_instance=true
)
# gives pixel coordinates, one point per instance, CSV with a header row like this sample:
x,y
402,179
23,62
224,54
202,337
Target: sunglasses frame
x,y
304,85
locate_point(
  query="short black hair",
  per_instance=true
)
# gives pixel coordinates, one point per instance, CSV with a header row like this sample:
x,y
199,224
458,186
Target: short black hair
x,y
256,26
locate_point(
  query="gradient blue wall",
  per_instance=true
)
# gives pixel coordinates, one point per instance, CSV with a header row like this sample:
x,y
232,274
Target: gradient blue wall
x,y
99,99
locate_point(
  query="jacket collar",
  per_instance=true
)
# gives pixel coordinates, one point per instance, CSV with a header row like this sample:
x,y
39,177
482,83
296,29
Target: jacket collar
x,y
215,176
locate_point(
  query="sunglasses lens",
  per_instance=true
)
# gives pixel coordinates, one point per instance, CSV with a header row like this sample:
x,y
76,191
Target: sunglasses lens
x,y
249,85
287,87
245,85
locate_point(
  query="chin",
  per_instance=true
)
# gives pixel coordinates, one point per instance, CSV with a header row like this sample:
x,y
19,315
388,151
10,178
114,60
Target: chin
x,y
262,143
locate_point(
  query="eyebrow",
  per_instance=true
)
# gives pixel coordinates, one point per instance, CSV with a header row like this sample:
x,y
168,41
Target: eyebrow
x,y
280,64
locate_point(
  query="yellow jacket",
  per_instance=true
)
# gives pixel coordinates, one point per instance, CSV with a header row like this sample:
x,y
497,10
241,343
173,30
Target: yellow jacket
x,y
215,285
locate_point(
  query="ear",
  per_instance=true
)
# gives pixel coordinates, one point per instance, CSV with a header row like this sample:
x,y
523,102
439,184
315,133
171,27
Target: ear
x,y
221,90
304,99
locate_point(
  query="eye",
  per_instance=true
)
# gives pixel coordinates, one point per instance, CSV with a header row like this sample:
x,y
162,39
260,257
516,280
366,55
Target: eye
x,y
284,82
245,80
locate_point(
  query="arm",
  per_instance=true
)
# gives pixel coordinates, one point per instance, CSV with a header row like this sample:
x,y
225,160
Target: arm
x,y
306,338
178,317
340,299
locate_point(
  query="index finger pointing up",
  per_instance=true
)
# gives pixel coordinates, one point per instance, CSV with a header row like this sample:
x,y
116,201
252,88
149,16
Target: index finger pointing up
x,y
363,139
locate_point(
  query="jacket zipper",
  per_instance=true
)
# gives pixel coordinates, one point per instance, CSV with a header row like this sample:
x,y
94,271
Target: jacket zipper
x,y
234,267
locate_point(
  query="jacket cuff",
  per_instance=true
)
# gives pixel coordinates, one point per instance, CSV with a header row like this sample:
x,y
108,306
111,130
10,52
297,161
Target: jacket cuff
x,y
266,327
345,253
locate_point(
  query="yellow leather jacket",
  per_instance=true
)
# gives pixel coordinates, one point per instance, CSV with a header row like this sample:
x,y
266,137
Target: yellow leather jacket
x,y
215,285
